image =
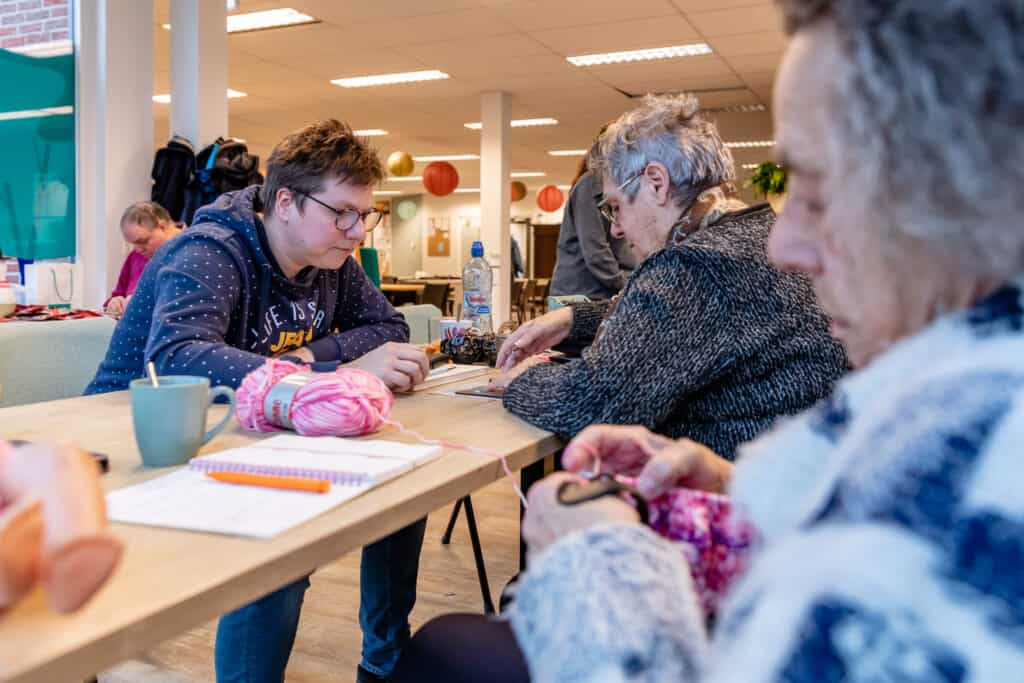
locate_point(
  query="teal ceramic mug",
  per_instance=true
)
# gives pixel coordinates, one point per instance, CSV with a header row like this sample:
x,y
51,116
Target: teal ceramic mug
x,y
170,419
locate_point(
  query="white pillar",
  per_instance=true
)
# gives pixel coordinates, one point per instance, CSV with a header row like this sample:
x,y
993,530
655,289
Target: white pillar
x,y
495,196
114,137
199,70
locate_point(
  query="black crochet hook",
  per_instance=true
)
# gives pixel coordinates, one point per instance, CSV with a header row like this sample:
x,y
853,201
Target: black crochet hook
x,y
574,493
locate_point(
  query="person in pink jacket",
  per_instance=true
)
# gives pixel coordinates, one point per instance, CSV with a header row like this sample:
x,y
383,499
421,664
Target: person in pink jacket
x,y
145,226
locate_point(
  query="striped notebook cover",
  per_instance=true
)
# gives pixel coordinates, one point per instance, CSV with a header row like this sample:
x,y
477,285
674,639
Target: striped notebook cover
x,y
345,462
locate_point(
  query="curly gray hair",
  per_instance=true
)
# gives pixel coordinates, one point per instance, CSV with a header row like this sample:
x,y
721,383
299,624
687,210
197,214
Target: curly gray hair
x,y
929,108
668,129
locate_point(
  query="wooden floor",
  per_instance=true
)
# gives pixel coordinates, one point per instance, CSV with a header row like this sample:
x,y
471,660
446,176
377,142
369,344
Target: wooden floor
x,y
328,643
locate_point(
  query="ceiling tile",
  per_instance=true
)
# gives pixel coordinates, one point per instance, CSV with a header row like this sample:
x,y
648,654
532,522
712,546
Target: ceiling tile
x,y
540,15
622,35
759,43
706,5
728,22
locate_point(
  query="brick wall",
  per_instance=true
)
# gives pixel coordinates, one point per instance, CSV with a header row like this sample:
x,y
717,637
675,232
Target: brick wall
x,y
27,22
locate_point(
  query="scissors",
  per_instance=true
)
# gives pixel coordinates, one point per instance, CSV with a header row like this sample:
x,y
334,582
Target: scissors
x,y
575,493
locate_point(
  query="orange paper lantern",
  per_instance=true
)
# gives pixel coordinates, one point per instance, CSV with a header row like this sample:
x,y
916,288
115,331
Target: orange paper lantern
x,y
518,190
549,198
440,178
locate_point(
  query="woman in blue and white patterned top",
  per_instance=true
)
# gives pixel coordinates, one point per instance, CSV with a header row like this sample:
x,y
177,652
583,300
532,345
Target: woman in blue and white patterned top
x,y
890,516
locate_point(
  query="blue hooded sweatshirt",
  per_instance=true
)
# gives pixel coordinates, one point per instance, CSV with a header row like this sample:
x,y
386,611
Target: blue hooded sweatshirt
x,y
213,302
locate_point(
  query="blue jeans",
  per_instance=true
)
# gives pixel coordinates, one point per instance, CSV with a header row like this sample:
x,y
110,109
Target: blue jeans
x,y
254,642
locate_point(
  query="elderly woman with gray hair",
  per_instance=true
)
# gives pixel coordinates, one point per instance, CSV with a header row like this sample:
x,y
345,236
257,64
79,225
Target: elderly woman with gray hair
x,y
890,517
706,340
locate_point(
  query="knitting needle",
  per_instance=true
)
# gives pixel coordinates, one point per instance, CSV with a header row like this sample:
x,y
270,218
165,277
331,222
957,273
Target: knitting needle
x,y
267,481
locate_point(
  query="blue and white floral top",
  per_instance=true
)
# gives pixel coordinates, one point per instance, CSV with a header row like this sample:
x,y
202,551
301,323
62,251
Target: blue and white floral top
x,y
892,523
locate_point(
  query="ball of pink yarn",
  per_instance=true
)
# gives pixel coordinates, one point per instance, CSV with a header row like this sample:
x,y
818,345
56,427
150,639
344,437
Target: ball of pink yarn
x,y
345,402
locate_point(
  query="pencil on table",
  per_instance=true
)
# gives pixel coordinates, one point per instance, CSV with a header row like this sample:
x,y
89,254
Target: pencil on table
x,y
267,481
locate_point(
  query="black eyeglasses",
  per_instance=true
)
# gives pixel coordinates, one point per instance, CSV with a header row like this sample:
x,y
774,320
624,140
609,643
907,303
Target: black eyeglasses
x,y
610,213
346,219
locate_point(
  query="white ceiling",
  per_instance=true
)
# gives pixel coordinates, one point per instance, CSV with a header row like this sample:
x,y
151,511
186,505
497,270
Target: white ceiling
x,y
514,45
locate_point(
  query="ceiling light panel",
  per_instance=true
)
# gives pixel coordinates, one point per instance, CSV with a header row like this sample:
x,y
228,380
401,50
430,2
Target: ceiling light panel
x,y
670,52
750,144
390,79
518,123
448,157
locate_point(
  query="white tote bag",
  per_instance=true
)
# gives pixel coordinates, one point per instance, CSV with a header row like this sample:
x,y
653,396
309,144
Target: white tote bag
x,y
56,285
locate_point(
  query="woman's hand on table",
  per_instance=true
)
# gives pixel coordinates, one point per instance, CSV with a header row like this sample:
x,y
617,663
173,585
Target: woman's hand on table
x,y
117,304
659,463
534,336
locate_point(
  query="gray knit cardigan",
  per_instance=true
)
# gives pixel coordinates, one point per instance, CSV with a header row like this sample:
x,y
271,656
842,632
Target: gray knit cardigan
x,y
708,341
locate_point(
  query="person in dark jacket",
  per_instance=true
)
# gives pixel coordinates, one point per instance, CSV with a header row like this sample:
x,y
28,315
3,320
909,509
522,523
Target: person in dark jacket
x,y
707,340
266,272
590,260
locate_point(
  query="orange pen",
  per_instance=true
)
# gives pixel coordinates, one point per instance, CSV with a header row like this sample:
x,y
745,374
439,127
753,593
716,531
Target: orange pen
x,y
291,483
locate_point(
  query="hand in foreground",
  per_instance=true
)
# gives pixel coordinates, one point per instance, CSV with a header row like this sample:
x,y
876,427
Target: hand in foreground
x,y
535,336
658,463
547,520
53,525
399,366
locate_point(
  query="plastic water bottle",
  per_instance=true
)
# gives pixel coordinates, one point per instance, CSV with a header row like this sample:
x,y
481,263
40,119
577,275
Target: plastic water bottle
x,y
476,289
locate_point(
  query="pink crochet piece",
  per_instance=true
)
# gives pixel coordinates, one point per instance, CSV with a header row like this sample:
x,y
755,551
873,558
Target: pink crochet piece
x,y
713,540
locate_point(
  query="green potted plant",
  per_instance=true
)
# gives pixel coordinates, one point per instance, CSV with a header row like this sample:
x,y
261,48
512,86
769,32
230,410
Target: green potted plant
x,y
769,181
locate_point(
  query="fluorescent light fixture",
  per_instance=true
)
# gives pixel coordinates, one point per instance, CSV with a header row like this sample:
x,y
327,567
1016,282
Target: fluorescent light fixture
x,y
231,94
518,123
370,132
261,21
35,113
387,192
404,179
750,167
527,174
390,79
736,109
567,152
564,187
448,157
466,190
750,144
671,52
53,48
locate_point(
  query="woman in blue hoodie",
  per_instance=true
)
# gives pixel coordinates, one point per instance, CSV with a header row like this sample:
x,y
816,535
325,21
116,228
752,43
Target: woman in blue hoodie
x,y
266,272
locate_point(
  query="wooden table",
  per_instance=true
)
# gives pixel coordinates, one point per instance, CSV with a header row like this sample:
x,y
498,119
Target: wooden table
x,y
171,580
399,294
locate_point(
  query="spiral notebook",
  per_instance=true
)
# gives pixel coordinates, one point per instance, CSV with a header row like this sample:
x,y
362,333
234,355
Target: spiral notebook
x,y
188,499
344,462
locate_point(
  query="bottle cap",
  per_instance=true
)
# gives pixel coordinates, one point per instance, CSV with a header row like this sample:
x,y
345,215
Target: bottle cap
x,y
477,250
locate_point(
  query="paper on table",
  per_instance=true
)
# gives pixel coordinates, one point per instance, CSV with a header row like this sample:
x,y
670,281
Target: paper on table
x,y
188,499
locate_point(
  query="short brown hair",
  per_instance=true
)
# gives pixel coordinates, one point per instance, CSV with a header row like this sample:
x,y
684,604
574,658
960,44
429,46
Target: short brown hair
x,y
149,214
325,149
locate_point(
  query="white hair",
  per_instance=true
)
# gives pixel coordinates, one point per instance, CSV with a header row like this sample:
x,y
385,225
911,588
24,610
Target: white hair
x,y
929,120
668,129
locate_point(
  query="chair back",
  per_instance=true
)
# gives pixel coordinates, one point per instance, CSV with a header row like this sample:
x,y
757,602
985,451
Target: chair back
x,y
436,294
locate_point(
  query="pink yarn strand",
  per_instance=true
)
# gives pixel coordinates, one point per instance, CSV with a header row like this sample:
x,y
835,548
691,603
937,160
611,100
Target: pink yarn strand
x,y
476,450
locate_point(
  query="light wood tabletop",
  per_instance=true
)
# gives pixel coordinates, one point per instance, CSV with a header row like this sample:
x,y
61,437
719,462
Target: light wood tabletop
x,y
171,580
402,288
